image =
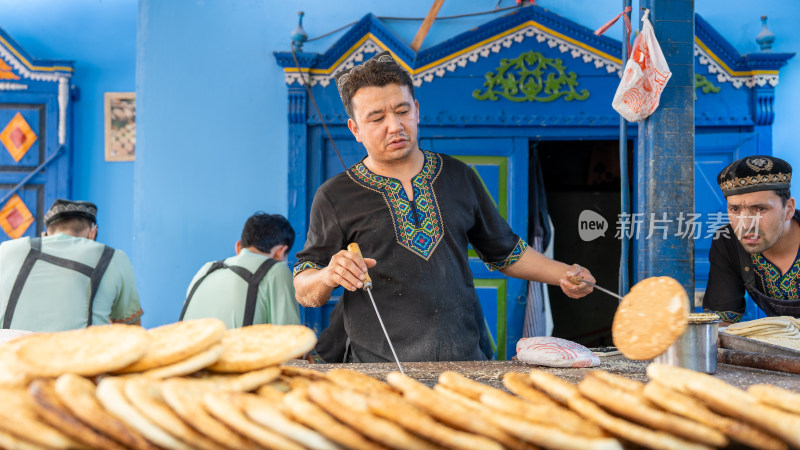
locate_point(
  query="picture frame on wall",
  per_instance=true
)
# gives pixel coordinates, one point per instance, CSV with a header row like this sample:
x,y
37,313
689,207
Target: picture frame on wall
x,y
120,126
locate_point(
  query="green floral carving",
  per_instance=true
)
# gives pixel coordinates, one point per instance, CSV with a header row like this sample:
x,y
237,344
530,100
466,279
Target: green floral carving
x,y
531,77
701,82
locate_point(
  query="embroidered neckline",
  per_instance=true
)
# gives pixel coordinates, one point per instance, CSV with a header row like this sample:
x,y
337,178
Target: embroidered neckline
x,y
786,286
417,223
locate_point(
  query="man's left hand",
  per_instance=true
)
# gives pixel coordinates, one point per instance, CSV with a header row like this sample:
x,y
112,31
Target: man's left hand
x,y
576,290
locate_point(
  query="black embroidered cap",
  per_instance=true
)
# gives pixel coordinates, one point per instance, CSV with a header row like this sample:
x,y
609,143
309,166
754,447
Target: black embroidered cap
x,y
343,75
63,209
755,173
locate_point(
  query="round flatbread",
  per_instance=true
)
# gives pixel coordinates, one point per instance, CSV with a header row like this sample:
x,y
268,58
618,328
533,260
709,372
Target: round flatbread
x,y
18,417
189,365
178,341
88,351
650,318
259,346
49,407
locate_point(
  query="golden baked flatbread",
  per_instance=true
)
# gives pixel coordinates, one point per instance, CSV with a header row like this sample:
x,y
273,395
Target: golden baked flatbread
x,y
619,382
111,396
358,382
18,417
777,397
546,414
629,431
452,414
733,402
227,408
12,371
267,413
298,407
684,405
87,351
259,346
176,342
351,408
294,371
463,385
185,397
78,395
189,365
399,411
634,408
522,385
145,395
9,441
49,407
245,382
650,318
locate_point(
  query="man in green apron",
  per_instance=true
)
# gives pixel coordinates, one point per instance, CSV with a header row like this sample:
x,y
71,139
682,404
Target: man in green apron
x,y
65,279
253,287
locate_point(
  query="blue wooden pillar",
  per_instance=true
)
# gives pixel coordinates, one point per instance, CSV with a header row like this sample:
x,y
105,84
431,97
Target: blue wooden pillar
x,y
665,157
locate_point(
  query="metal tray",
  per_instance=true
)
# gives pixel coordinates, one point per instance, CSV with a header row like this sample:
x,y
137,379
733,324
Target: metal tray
x,y
734,342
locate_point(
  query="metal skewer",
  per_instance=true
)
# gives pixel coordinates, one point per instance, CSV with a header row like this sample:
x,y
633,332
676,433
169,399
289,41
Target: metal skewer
x,y
579,280
353,247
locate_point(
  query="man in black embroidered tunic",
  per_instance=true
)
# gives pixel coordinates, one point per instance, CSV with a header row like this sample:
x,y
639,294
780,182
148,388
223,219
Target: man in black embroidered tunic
x,y
413,213
759,251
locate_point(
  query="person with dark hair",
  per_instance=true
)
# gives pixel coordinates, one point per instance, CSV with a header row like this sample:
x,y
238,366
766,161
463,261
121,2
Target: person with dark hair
x,y
66,280
253,287
759,250
413,213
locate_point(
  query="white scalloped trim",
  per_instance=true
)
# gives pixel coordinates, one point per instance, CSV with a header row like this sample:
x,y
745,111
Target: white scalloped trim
x,y
13,87
724,77
370,46
29,74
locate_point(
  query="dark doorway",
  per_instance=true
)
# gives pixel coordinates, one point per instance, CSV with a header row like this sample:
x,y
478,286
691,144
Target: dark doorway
x,y
583,176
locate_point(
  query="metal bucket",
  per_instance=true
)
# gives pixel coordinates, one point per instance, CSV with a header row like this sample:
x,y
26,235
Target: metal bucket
x,y
696,349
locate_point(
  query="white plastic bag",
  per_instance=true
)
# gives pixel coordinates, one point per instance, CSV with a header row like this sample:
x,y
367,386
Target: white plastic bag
x,y
555,352
646,73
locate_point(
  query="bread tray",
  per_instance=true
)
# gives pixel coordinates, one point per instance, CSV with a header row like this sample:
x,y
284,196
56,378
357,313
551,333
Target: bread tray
x,y
734,342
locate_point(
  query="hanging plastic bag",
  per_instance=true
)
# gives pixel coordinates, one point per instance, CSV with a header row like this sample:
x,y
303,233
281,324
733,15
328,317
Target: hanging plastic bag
x,y
646,73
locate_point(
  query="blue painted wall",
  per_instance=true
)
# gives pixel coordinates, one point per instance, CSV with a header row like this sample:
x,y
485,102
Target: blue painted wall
x,y
212,127
100,36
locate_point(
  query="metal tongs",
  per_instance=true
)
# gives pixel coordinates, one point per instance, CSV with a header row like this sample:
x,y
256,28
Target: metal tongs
x,y
578,280
353,247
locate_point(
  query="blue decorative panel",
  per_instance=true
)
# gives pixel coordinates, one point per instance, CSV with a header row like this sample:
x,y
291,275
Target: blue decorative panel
x,y
730,123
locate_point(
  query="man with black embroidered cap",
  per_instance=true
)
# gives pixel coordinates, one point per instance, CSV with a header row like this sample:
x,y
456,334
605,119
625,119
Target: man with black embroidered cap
x,y
759,251
65,280
414,213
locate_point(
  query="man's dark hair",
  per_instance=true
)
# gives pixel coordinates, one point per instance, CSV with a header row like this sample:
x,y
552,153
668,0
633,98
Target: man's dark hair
x,y
784,194
376,74
264,231
70,225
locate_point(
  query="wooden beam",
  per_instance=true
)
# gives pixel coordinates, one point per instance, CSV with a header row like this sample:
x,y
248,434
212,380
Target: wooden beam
x,y
426,25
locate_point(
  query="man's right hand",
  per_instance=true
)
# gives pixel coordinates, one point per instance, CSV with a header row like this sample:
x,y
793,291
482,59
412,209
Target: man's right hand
x,y
313,287
347,269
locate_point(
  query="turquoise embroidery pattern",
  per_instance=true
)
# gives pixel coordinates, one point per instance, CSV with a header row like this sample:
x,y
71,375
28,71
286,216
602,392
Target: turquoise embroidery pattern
x,y
786,287
418,223
727,316
512,258
305,266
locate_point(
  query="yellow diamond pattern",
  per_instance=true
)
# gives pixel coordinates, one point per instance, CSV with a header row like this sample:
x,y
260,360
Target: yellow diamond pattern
x,y
15,217
18,137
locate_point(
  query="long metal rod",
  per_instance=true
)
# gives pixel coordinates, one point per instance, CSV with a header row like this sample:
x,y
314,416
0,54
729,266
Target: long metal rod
x,y
623,175
613,294
385,333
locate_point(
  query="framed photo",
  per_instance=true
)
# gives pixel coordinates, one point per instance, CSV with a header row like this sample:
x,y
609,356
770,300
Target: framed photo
x,y
120,116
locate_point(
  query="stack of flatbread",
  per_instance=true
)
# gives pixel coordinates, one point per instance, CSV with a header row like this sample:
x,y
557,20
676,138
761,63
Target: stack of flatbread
x,y
82,394
780,330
